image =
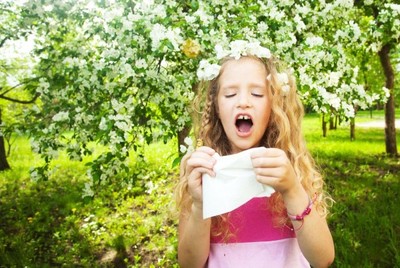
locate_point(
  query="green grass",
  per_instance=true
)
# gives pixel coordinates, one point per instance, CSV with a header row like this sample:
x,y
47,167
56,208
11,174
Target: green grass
x,y
48,224
365,184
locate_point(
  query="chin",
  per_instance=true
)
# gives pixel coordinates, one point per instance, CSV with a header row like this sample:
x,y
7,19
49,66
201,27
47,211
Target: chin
x,y
236,148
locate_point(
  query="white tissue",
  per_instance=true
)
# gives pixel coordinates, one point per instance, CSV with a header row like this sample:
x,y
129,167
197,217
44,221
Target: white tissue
x,y
234,184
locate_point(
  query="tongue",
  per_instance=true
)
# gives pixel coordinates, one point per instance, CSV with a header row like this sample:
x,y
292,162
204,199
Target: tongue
x,y
244,125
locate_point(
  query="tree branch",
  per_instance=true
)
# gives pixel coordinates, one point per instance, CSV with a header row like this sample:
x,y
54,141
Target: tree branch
x,y
4,40
8,90
20,101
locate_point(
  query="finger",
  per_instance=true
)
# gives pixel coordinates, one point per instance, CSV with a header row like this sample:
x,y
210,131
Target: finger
x,y
267,180
206,150
198,172
202,154
267,152
270,172
268,162
200,161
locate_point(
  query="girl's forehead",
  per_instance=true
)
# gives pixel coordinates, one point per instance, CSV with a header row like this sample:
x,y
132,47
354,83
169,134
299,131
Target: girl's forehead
x,y
244,63
245,67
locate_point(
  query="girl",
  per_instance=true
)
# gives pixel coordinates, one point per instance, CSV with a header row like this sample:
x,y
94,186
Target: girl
x,y
250,104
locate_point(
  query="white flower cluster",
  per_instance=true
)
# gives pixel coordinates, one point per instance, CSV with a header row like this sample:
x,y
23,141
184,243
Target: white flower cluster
x,y
189,142
283,80
160,33
240,48
88,190
61,116
208,71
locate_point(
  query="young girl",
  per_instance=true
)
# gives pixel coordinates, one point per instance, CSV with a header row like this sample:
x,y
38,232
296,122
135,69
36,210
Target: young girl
x,y
250,103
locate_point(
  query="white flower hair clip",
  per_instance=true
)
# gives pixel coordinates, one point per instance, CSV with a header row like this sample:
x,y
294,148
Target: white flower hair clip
x,y
283,80
207,71
239,48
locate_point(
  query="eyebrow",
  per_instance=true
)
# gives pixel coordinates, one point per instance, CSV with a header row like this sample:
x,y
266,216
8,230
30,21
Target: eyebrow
x,y
251,85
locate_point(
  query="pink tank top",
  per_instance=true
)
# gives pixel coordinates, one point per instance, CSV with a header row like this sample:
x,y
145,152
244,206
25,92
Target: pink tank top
x,y
254,241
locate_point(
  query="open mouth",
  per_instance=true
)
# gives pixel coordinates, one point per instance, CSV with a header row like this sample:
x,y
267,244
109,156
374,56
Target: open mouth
x,y
244,123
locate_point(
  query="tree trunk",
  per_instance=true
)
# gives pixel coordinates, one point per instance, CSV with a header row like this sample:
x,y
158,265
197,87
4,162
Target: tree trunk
x,y
332,123
324,128
3,156
332,120
352,129
336,121
390,128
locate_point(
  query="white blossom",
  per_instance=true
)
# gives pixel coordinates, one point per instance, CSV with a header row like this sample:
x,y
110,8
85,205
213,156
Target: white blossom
x,y
182,148
103,124
348,110
61,116
262,27
386,92
314,41
157,34
283,78
189,148
35,177
35,146
207,71
237,49
334,78
88,192
300,26
188,141
43,86
190,19
283,81
122,125
356,30
394,7
220,52
240,48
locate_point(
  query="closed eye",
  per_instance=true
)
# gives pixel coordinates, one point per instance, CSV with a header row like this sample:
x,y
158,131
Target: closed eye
x,y
230,95
257,95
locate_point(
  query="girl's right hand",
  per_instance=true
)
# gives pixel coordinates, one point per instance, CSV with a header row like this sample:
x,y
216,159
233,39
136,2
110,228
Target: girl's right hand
x,y
199,162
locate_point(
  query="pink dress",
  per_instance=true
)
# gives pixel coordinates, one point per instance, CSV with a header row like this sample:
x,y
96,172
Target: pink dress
x,y
255,242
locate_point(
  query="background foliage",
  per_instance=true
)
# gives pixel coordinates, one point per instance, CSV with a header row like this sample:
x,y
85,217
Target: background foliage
x,y
122,73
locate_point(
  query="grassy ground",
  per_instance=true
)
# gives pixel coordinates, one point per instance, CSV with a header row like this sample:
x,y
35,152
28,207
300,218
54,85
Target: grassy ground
x,y
365,185
48,224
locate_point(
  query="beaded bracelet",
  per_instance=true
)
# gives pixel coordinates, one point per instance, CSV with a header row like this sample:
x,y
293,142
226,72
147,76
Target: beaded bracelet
x,y
306,212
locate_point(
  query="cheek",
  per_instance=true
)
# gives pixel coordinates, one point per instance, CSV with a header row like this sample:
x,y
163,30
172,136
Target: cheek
x,y
267,112
223,116
221,107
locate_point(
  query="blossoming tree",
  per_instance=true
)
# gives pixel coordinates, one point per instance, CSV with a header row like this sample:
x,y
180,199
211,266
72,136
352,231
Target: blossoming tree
x,y
376,33
120,73
15,74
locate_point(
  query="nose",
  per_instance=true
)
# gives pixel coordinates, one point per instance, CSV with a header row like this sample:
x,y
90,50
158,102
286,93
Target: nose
x,y
243,100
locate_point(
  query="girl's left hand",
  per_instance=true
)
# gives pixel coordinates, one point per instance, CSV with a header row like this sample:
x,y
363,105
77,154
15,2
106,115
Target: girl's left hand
x,y
273,168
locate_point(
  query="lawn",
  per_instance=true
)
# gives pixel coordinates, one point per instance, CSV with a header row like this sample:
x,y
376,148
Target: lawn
x,y
365,185
48,224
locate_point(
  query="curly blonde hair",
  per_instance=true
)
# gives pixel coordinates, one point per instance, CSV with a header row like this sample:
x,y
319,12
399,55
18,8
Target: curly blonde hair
x,y
284,131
